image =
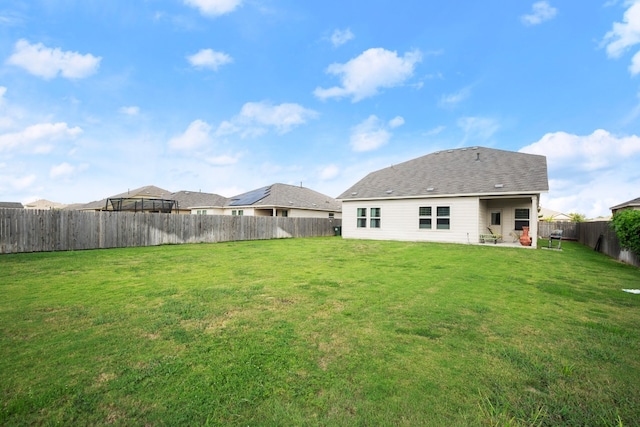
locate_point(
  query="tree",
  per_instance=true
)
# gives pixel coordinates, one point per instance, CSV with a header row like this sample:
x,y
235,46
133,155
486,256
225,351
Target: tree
x,y
577,217
626,224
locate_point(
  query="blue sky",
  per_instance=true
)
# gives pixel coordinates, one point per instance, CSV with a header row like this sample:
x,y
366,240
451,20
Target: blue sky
x,y
225,96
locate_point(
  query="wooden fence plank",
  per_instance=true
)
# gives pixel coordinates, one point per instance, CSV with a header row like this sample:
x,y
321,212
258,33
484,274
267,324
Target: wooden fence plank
x,y
23,230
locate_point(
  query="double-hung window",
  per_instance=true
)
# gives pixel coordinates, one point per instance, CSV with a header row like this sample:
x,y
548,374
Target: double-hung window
x,y
424,221
522,218
443,219
375,217
362,217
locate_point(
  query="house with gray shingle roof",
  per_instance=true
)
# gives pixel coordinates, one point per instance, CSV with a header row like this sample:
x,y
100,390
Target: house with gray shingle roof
x,y
283,200
11,205
448,196
631,204
131,200
147,198
202,203
43,204
546,214
272,200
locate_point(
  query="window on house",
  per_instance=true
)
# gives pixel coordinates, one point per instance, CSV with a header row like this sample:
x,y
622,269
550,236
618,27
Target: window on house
x,y
362,217
285,213
443,220
424,221
375,217
240,212
495,218
331,215
522,218
234,212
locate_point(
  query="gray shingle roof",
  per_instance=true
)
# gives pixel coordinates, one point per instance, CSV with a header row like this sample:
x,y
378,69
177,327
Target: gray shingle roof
x,y
630,203
192,199
11,205
463,171
148,192
289,196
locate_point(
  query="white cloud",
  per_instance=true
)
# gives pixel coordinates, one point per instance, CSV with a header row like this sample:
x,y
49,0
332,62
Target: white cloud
x,y
39,133
48,63
62,170
256,117
396,122
15,183
208,58
435,131
634,68
624,34
214,7
589,173
3,90
540,12
599,150
453,99
369,135
329,172
223,160
130,111
196,135
479,129
364,75
340,37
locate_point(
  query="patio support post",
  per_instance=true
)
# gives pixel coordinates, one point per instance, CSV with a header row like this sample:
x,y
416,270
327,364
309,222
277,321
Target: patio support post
x,y
533,221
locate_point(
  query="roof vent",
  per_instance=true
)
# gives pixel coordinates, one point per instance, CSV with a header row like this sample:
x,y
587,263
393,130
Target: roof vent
x,y
354,193
477,157
389,191
430,189
449,151
499,185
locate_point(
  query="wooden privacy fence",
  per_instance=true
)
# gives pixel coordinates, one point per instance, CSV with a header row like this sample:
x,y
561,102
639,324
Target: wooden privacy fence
x,y
601,237
598,235
24,230
569,229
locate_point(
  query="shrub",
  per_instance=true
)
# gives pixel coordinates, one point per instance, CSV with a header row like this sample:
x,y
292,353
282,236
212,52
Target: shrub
x,y
577,217
627,227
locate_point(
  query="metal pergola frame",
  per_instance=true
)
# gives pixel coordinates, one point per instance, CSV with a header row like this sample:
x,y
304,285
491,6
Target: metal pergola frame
x,y
135,204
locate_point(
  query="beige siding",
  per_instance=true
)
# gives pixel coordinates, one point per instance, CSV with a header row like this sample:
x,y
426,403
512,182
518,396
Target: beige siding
x,y
508,208
399,220
207,211
245,211
308,213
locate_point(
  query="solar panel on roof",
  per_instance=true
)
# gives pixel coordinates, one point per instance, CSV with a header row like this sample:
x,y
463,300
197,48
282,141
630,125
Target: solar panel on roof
x,y
251,197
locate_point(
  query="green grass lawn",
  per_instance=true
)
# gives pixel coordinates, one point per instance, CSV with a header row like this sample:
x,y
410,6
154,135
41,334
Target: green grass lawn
x,y
319,331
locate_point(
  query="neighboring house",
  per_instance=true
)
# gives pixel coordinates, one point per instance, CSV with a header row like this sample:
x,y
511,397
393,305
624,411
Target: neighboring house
x,y
155,199
43,204
200,203
631,204
273,200
282,200
144,199
550,215
448,196
11,205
